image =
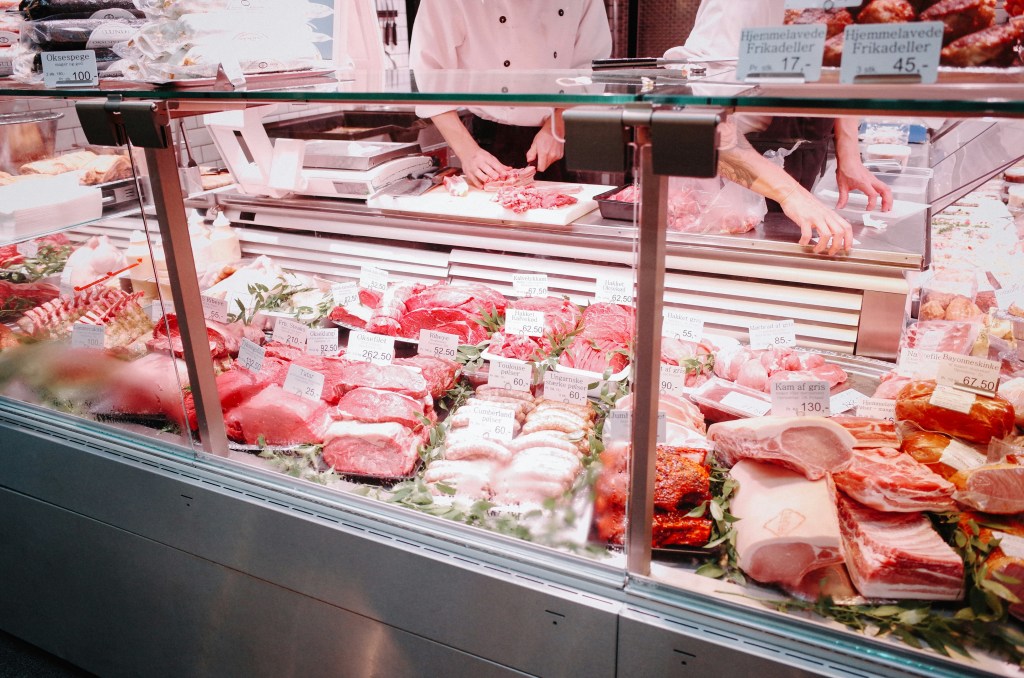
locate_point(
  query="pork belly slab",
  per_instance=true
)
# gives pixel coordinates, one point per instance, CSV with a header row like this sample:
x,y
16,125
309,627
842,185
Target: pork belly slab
x,y
812,446
787,527
889,480
897,555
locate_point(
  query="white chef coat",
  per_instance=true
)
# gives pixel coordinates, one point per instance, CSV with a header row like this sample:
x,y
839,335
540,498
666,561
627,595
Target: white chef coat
x,y
716,31
508,35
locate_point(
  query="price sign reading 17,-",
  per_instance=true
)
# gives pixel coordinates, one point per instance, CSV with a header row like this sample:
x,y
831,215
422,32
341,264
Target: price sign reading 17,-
x,y
888,50
781,51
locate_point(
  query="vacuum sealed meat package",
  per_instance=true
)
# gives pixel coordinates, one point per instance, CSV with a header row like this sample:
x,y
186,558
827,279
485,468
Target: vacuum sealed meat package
x,y
165,9
76,34
987,418
713,206
80,9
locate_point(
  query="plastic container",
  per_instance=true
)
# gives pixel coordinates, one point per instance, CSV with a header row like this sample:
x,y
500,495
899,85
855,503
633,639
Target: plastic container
x,y
619,210
224,244
721,400
142,276
898,153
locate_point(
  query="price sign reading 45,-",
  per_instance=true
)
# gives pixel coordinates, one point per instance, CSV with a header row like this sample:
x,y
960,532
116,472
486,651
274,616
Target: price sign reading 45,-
x,y
438,344
892,50
525,323
772,334
530,284
373,279
370,348
800,399
565,388
510,374
679,325
615,290
794,51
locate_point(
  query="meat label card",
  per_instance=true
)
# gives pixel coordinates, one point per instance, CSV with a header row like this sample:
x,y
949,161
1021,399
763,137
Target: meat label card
x,y
28,249
618,426
772,334
615,290
88,336
910,50
511,374
438,344
679,325
845,401
530,284
774,51
961,457
304,383
673,379
952,399
526,323
977,375
919,364
70,69
250,355
1011,545
565,388
801,399
496,423
370,348
322,341
344,294
877,408
745,403
373,279
214,309
290,332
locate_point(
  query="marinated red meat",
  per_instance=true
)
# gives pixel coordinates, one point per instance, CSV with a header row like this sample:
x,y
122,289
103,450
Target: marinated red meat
x,y
835,20
813,446
603,341
886,12
988,417
679,481
991,46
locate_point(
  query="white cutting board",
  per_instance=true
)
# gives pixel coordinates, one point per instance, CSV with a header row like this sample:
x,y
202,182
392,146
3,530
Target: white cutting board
x,y
479,204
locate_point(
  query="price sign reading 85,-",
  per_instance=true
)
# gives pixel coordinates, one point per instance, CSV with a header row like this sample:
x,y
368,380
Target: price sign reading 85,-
x,y
565,388
370,348
891,50
511,374
438,344
495,423
304,383
772,334
794,51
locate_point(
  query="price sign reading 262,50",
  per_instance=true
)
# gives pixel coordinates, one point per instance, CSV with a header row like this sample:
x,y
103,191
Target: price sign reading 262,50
x,y
892,50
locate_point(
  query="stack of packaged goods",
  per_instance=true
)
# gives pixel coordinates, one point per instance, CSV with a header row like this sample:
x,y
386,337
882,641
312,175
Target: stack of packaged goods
x,y
10,29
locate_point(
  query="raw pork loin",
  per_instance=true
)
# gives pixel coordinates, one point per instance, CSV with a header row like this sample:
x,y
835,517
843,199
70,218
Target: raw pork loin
x,y
812,446
787,527
888,480
897,555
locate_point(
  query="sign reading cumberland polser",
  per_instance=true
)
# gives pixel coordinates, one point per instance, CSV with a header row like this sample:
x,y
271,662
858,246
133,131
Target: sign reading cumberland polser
x,y
880,50
793,51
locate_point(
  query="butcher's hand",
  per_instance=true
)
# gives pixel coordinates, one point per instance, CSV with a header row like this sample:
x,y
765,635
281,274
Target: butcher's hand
x,y
858,178
834,233
545,149
478,166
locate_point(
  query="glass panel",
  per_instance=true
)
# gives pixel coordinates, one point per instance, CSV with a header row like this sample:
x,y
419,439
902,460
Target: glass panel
x,y
818,502
81,334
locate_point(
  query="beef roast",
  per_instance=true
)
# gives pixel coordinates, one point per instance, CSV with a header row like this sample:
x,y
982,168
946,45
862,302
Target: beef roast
x,y
439,373
374,406
386,450
278,417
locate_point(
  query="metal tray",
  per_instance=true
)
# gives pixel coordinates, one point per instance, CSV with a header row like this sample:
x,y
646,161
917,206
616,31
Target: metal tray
x,y
615,209
354,155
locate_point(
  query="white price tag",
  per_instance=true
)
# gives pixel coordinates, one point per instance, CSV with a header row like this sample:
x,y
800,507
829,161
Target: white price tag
x,y
344,294
847,400
304,382
917,363
679,325
496,423
250,355
744,403
439,344
215,309
618,426
877,408
673,379
1011,544
373,279
88,336
977,375
113,13
6,61
70,69
952,399
322,341
378,349
661,433
109,33
615,290
530,284
527,323
821,4
28,249
962,457
801,399
290,332
510,374
774,51
904,49
565,388
772,334
158,310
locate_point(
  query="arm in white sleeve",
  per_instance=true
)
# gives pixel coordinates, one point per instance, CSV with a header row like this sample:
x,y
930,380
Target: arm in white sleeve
x,y
593,37
437,35
716,31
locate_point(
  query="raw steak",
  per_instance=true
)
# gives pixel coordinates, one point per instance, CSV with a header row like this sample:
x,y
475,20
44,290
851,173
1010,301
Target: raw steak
x,y
16,298
787,524
397,378
279,417
871,433
812,446
439,373
433,318
992,488
373,406
561,317
238,384
387,450
897,555
469,297
679,481
603,341
989,417
387,317
888,480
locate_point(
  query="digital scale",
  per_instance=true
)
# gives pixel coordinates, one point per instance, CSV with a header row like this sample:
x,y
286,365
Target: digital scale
x,y
323,168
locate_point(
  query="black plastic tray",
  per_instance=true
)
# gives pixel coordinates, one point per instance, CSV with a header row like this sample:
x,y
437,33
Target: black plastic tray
x,y
618,210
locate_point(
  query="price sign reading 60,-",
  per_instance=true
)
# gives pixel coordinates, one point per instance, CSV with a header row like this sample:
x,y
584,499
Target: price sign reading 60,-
x,y
510,374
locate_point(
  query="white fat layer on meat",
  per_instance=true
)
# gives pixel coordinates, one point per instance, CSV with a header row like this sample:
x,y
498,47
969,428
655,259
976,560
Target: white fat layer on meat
x,y
760,439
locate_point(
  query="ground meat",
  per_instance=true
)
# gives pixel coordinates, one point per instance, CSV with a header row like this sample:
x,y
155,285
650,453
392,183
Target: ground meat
x,y
521,199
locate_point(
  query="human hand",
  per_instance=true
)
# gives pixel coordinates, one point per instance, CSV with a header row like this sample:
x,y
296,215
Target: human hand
x,y
478,166
545,149
854,176
810,215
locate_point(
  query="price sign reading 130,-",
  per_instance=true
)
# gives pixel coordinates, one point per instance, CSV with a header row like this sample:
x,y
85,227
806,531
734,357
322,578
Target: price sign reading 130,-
x,y
888,50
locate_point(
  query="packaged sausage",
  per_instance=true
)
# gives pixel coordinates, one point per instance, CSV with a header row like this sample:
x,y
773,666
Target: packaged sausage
x,y
172,9
77,34
80,9
985,418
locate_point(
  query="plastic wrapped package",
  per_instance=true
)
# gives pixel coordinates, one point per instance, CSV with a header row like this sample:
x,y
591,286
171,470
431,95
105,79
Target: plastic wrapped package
x,y
77,34
950,295
172,9
713,206
988,417
80,9
942,335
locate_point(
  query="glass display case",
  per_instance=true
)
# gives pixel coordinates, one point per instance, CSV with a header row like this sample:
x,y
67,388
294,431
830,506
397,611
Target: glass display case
x,y
300,312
